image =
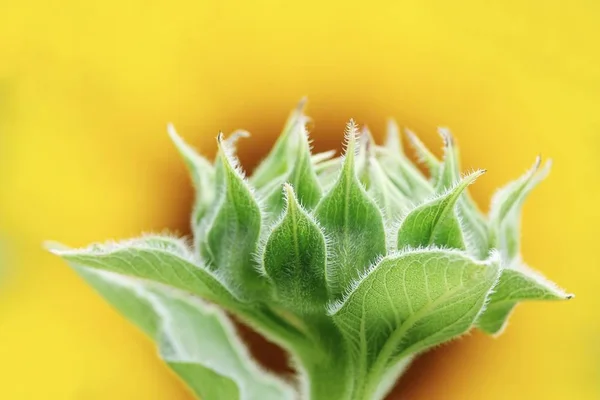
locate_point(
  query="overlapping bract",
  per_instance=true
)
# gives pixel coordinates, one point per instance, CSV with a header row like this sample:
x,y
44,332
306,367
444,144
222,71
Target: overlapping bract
x,y
353,264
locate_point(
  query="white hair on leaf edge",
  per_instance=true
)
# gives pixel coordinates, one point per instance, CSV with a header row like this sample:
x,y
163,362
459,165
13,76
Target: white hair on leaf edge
x,y
336,305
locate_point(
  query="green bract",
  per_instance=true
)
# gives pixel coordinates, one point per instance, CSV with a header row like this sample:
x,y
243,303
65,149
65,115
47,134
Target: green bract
x,y
352,264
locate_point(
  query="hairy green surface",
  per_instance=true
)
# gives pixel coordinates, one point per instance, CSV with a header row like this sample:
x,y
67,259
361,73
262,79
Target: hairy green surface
x,y
295,259
353,264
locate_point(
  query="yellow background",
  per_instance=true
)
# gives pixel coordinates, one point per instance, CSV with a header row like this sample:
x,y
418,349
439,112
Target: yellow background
x,y
86,89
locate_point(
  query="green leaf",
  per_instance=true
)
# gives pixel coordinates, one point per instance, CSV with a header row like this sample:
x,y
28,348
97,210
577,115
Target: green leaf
x,y
154,259
195,339
125,294
352,223
294,259
435,222
196,335
278,160
205,383
408,303
130,298
203,176
233,228
516,285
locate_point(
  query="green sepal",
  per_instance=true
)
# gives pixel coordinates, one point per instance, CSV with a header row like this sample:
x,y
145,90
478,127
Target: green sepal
x,y
279,160
436,222
475,227
301,176
203,176
449,173
393,140
365,152
407,178
508,197
320,158
232,231
405,175
295,258
392,202
505,211
424,155
352,222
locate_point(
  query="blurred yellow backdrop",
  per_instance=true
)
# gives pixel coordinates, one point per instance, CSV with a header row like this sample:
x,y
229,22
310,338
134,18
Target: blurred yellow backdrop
x,y
86,90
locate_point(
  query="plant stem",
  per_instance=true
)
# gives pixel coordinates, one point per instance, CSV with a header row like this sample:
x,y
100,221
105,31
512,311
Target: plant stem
x,y
326,380
329,375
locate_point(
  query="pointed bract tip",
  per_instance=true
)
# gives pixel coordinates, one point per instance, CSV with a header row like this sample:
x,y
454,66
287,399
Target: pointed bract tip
x,y
479,172
446,136
171,129
412,136
172,132
545,170
367,138
224,147
366,135
352,127
351,131
288,189
472,177
301,104
350,137
237,134
290,195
